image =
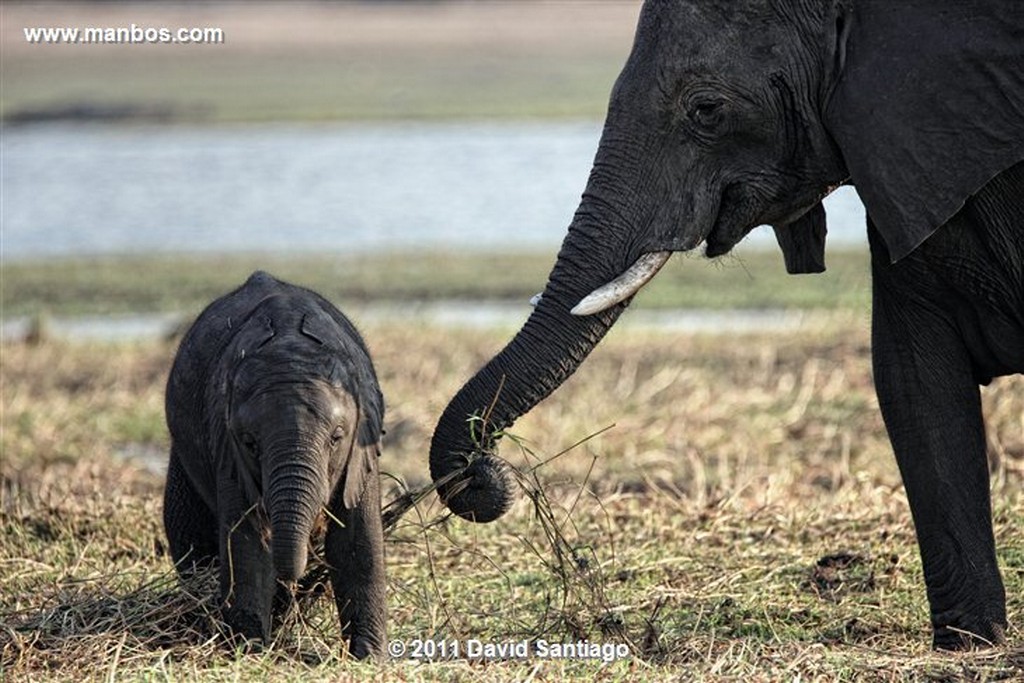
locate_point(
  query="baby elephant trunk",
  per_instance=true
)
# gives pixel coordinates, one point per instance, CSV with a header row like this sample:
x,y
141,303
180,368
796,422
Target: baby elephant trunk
x,y
294,500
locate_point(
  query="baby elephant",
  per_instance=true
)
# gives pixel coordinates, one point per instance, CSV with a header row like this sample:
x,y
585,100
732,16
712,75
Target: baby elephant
x,y
275,414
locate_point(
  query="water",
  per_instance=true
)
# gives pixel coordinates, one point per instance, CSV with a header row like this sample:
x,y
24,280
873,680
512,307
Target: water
x,y
445,314
74,190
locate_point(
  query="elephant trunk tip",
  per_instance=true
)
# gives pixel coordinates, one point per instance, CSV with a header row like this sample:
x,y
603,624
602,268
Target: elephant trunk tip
x,y
293,572
290,568
480,492
290,554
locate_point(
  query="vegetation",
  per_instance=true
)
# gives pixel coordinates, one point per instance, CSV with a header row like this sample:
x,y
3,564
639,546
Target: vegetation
x,y
741,518
724,507
180,283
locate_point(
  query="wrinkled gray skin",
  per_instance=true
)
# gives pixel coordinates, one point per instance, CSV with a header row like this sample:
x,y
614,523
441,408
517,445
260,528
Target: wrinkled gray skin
x,y
275,414
735,113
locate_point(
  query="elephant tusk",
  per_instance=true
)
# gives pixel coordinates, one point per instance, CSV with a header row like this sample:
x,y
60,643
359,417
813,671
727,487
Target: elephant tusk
x,y
535,299
624,286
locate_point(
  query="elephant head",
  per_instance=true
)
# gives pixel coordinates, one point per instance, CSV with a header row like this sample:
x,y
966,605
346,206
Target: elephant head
x,y
300,425
731,114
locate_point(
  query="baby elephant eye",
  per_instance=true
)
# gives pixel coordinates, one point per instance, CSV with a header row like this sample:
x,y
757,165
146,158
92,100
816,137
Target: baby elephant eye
x,y
338,434
248,442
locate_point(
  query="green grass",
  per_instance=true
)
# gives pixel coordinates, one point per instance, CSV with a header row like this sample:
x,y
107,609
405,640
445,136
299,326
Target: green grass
x,y
743,520
179,283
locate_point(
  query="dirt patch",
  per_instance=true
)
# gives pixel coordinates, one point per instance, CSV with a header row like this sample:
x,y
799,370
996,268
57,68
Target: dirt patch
x,y
835,575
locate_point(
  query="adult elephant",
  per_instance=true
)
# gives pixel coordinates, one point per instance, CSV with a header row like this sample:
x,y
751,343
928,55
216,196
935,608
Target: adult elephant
x,y
735,113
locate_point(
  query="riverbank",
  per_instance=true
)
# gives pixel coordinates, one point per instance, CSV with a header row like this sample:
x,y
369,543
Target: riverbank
x,y
184,283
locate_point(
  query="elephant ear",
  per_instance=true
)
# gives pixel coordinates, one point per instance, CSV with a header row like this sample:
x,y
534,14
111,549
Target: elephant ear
x,y
361,466
928,107
803,242
350,367
364,452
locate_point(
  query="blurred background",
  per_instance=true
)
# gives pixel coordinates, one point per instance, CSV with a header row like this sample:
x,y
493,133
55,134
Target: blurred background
x,y
342,127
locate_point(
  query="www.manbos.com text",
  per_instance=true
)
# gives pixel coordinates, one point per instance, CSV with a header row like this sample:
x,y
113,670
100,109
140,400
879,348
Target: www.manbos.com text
x,y
132,34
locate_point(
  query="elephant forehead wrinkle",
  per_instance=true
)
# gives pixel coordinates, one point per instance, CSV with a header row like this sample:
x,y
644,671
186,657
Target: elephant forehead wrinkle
x,y
299,470
291,404
269,370
714,36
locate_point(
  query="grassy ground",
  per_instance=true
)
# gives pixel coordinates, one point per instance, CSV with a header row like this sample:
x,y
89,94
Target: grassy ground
x,y
742,520
130,284
328,60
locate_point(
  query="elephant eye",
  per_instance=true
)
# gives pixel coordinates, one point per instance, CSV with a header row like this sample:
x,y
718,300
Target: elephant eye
x,y
707,113
338,434
248,442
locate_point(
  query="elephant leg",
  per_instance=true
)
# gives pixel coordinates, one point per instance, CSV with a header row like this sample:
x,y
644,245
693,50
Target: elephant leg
x,y
190,525
355,553
247,577
932,409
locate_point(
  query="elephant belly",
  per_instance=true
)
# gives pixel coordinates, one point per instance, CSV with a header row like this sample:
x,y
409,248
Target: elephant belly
x,y
992,324
1000,349
979,256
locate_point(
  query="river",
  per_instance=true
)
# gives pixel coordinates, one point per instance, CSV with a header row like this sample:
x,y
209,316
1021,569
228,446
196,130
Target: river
x,y
72,190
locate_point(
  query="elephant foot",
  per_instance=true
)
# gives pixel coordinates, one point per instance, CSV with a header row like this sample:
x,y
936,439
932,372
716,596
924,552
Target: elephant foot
x,y
969,633
362,647
248,625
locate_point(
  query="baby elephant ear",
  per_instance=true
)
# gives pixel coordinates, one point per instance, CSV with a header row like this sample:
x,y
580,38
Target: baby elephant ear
x,y
803,242
364,452
362,464
364,449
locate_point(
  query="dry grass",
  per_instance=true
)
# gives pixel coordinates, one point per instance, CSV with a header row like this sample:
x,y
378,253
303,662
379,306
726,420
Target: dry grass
x,y
743,519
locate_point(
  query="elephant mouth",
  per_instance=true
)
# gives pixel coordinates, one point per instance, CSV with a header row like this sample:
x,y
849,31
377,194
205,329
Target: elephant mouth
x,y
736,218
720,242
632,280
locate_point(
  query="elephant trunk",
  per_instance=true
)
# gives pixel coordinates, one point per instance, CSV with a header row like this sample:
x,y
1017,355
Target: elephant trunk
x,y
472,480
295,496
